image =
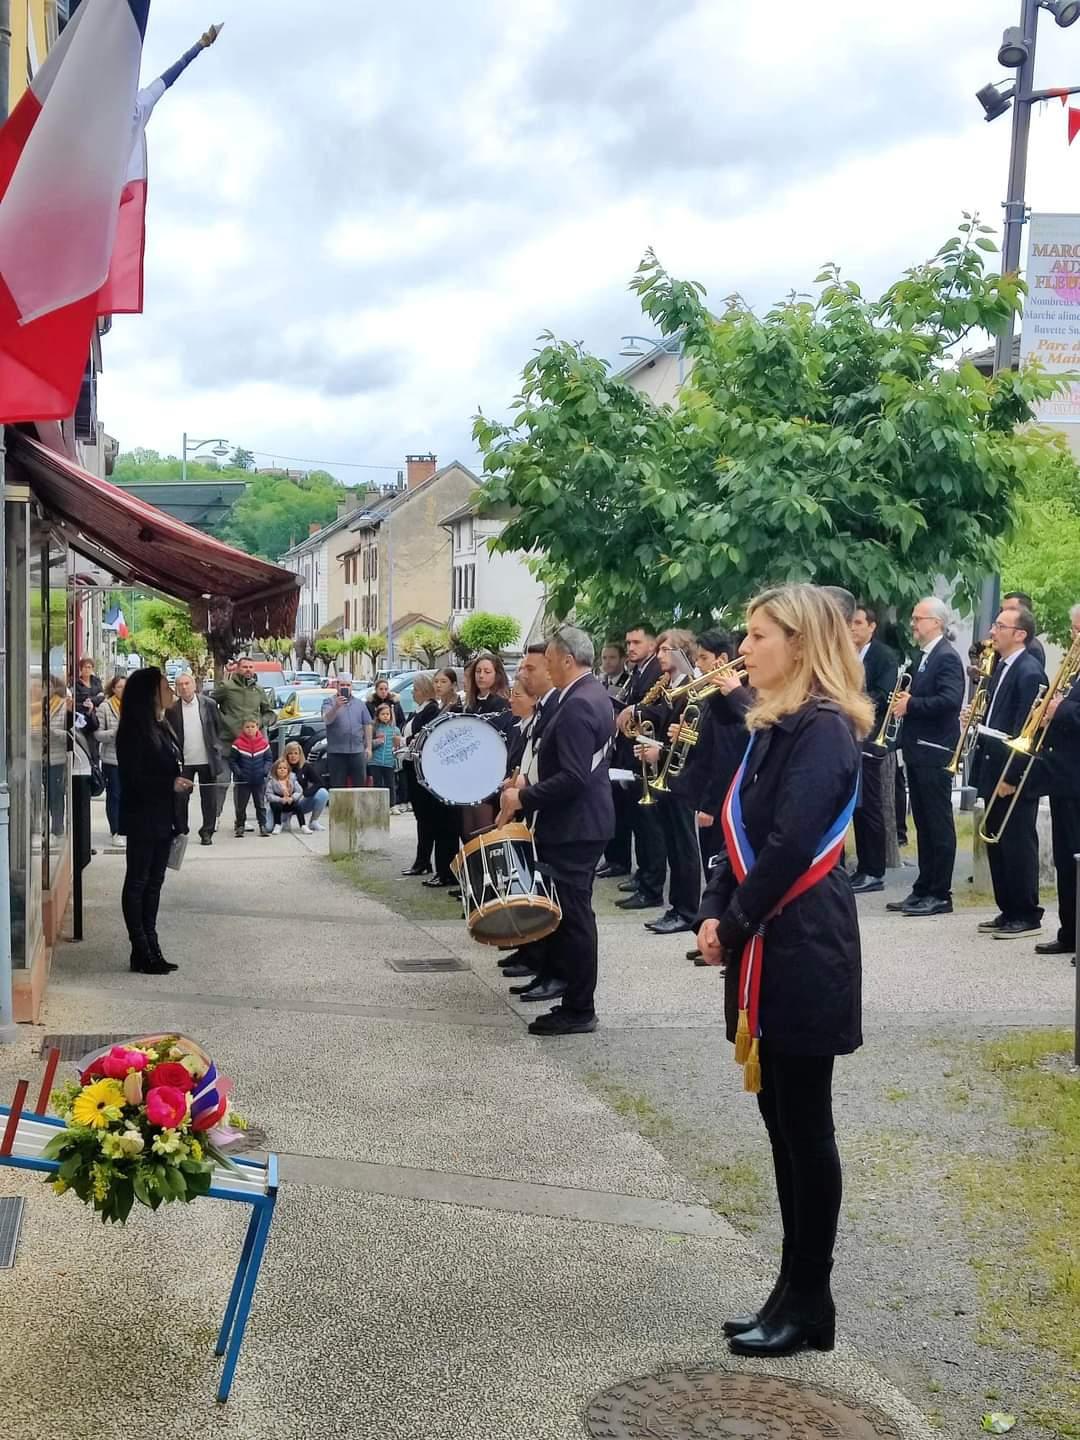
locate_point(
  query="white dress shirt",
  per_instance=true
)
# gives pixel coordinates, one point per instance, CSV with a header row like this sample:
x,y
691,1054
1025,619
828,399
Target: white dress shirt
x,y
195,752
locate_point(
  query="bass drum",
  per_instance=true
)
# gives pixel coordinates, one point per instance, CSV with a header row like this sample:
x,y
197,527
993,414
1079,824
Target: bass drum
x,y
507,901
461,759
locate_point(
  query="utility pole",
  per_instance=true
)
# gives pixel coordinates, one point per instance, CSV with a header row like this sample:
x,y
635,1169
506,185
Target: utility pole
x,y
1015,204
7,1014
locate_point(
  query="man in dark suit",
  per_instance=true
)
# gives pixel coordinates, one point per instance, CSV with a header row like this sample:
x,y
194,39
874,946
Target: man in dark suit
x,y
1018,600
931,714
879,670
572,814
1057,774
1014,860
646,890
615,678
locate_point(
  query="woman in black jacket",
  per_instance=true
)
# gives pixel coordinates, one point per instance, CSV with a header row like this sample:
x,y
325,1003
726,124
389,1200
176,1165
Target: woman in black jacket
x,y
422,801
781,908
149,760
316,796
382,695
446,822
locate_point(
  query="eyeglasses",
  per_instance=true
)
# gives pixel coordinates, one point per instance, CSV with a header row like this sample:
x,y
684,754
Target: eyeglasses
x,y
996,626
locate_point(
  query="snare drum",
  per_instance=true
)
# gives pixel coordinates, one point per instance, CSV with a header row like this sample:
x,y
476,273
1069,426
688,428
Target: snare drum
x,y
507,902
461,759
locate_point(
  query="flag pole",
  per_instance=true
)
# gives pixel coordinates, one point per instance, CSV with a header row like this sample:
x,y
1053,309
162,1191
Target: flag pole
x,y
7,1033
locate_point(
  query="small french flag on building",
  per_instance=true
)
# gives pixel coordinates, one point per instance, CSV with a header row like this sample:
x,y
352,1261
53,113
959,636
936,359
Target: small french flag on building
x,y
69,250
115,621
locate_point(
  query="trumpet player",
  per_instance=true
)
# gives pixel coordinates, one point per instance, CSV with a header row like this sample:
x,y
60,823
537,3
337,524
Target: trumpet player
x,y
644,888
1059,777
879,673
930,711
1014,860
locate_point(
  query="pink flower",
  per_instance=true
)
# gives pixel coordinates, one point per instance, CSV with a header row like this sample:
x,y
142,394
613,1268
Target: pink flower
x,y
119,1062
166,1106
172,1074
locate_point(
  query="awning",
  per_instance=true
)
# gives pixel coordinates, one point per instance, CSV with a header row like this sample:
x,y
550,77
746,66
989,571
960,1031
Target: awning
x,y
227,590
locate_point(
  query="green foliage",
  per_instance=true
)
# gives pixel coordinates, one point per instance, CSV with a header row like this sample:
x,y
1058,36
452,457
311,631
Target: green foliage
x,y
276,512
242,459
424,644
832,439
1043,558
485,631
162,631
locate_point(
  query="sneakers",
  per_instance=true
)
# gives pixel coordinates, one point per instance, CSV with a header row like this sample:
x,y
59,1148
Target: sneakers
x,y
276,830
1018,929
117,841
985,926
316,825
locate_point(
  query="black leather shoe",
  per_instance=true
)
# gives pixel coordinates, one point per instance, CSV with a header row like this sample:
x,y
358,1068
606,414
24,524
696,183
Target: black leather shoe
x,y
557,1022
702,962
417,870
927,905
629,887
1054,947
164,966
739,1324
517,972
637,901
794,1323
436,883
1018,930
693,954
867,884
147,965
206,839
903,904
985,926
454,892
544,990
512,957
611,872
669,925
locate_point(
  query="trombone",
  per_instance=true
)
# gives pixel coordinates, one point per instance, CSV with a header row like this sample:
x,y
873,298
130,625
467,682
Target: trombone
x,y
889,733
697,691
646,732
1030,741
969,731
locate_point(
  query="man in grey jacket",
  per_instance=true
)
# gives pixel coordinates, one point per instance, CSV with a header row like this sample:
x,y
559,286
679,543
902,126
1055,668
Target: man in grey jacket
x,y
196,722
348,736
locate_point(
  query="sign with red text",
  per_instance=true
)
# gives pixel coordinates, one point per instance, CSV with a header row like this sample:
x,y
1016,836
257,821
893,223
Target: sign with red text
x,y
1051,325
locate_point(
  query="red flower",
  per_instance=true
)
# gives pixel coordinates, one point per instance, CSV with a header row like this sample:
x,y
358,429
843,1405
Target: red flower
x,y
209,1118
166,1107
171,1073
94,1071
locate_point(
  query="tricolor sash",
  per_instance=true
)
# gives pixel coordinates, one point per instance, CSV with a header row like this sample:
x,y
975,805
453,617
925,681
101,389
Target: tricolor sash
x,y
742,857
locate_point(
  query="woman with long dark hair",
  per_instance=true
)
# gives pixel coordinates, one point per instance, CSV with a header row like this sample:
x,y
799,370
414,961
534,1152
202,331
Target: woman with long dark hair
x,y
780,906
487,687
150,763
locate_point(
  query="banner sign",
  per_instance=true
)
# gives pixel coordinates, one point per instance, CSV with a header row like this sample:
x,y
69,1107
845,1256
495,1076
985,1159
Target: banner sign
x,y
1051,327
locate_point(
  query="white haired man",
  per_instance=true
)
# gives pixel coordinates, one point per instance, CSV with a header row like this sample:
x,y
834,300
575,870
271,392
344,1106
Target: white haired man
x,y
930,711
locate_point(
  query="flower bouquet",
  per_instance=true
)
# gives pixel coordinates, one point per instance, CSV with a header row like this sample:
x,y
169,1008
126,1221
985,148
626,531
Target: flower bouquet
x,y
146,1121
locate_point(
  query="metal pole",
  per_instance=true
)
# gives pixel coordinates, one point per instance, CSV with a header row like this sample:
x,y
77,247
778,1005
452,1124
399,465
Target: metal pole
x,y
1015,217
7,1014
390,593
183,457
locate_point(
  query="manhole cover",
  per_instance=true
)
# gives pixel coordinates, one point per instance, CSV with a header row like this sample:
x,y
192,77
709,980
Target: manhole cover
x,y
74,1047
11,1213
415,967
718,1405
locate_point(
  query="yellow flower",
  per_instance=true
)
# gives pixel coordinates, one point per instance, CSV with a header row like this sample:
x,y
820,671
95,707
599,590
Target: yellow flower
x,y
195,1149
90,1107
59,1186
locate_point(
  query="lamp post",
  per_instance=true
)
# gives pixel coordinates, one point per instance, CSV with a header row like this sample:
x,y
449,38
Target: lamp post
x,y
631,347
189,447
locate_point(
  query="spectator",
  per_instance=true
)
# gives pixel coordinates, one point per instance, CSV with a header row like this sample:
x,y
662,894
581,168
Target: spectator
x,y
196,723
284,795
250,760
386,743
422,800
88,690
348,736
315,794
240,697
382,696
445,817
148,757
108,718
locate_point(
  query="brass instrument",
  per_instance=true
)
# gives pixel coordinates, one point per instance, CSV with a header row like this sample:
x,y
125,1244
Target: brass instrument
x,y
889,733
634,729
646,730
976,711
698,691
1030,741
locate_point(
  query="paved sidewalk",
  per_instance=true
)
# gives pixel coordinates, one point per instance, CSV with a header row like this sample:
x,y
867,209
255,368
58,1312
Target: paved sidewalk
x,y
469,1242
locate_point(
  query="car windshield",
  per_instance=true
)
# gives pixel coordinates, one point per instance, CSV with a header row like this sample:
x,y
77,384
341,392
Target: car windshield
x,y
306,702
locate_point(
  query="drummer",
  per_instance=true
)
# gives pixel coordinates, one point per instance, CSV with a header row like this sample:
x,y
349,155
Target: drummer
x,y
487,693
445,817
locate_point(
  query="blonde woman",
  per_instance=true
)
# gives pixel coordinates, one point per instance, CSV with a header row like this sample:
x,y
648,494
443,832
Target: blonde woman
x,y
108,718
780,908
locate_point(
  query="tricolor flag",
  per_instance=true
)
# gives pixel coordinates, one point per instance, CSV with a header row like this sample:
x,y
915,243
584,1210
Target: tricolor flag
x,y
65,158
115,621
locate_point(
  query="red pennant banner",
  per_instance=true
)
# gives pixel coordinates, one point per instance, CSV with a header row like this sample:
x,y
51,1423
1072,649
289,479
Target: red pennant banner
x,y
1074,123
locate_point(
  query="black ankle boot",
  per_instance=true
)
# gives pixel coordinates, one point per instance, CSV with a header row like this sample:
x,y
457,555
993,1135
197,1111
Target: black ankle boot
x,y
800,1319
738,1324
142,959
162,966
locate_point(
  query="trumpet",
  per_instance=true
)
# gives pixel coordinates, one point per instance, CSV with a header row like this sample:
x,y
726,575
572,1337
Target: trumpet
x,y
969,732
1030,742
646,730
889,733
697,692
707,684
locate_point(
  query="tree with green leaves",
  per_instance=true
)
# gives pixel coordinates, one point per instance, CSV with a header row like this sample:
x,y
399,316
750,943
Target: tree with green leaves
x,y
485,631
242,459
162,632
424,644
1043,557
834,439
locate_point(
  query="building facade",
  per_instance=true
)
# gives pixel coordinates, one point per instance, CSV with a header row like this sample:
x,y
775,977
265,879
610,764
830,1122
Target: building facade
x,y
497,582
317,561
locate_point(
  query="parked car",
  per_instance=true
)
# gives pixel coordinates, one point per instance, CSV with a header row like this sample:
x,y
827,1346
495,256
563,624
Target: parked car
x,y
300,678
317,756
401,686
299,717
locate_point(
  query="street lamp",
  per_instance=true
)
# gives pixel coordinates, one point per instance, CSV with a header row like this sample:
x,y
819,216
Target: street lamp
x,y
631,348
189,447
673,345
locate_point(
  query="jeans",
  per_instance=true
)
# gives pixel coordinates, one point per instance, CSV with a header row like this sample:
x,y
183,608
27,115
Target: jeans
x,y
312,806
111,774
147,859
796,1106
346,770
384,777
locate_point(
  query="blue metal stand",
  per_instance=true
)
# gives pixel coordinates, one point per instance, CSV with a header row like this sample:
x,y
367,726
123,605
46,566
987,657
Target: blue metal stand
x,y
257,1186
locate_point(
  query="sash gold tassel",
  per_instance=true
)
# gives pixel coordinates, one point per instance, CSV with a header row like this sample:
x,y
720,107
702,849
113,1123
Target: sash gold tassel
x,y
752,1070
742,1038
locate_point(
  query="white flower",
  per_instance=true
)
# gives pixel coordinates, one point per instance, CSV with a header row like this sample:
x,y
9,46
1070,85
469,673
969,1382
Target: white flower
x,y
131,1142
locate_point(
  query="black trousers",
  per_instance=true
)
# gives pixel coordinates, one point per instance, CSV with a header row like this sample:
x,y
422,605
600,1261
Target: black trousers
x,y
650,849
208,799
870,821
423,807
710,843
796,1105
346,770
930,790
1014,860
147,858
241,795
617,850
900,796
678,825
1065,829
569,953
447,830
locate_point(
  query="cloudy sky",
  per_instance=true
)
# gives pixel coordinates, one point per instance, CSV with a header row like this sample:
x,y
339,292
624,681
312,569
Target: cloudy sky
x,y
362,215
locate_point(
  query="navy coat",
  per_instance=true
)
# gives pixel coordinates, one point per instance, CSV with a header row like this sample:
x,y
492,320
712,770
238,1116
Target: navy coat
x,y
570,805
1010,699
880,668
713,761
1057,770
802,773
931,726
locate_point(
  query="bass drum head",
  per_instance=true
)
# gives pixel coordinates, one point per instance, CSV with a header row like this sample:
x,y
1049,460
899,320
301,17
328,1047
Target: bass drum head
x,y
514,922
461,759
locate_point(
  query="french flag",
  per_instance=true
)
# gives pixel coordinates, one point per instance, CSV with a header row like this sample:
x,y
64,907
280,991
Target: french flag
x,y
72,207
115,621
